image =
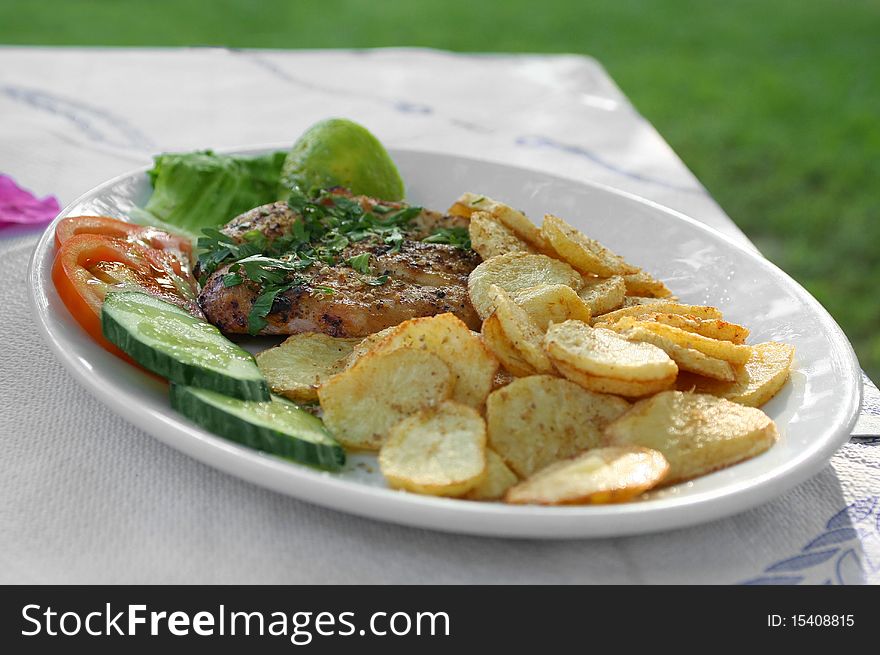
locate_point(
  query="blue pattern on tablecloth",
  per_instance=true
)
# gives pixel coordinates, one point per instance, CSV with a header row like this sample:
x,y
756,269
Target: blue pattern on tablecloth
x,y
538,141
95,123
836,556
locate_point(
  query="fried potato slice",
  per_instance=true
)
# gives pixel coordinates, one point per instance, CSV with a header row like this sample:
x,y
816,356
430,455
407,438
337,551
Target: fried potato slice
x,y
697,433
363,402
439,451
470,202
367,344
645,285
297,367
719,349
537,420
627,388
668,307
490,237
552,303
613,474
687,359
514,220
513,272
586,255
520,332
463,207
604,353
711,328
499,478
496,341
632,301
756,383
603,295
472,365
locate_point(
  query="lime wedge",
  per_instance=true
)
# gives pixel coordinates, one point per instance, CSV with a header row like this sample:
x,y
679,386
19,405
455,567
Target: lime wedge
x,y
339,152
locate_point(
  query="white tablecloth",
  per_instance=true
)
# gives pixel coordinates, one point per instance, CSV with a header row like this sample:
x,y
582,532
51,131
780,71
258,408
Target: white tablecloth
x,y
86,497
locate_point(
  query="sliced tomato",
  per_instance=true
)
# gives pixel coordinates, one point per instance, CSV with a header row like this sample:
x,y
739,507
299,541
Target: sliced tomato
x,y
88,266
149,237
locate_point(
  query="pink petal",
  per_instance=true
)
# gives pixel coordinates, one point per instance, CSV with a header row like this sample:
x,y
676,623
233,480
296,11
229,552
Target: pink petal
x,y
18,206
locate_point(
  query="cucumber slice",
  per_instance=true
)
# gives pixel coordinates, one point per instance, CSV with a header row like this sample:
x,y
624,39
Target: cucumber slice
x,y
168,341
278,427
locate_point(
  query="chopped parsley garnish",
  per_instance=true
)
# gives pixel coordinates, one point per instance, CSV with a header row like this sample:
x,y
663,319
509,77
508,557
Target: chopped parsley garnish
x,y
329,224
232,280
217,248
454,236
360,263
263,305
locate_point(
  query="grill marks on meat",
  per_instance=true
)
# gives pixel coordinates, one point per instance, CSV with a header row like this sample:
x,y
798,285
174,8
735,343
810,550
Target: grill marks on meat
x,y
426,264
424,279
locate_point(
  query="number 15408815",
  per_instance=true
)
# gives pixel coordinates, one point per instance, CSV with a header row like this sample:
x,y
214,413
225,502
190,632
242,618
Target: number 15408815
x,y
811,620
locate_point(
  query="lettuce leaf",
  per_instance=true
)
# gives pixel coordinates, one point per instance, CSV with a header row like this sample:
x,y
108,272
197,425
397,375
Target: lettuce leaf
x,y
192,191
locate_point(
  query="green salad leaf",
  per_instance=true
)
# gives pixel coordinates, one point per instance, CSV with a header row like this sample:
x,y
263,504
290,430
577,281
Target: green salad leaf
x,y
197,190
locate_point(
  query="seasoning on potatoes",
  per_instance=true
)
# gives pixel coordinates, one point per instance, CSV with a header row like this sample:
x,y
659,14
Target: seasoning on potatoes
x,y
697,433
513,272
537,420
586,255
502,379
756,383
711,328
362,403
687,359
515,221
490,237
645,285
520,332
472,365
367,344
297,367
499,345
602,352
717,348
613,474
602,384
667,306
499,478
552,303
603,295
439,451
632,301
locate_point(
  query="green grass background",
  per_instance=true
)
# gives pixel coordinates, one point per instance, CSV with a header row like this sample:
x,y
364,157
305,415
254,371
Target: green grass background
x,y
774,105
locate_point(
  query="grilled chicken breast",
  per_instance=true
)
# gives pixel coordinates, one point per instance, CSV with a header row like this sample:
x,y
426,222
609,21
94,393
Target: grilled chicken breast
x,y
276,219
424,279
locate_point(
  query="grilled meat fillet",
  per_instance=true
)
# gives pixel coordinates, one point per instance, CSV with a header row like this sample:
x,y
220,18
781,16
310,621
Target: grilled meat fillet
x,y
424,279
276,219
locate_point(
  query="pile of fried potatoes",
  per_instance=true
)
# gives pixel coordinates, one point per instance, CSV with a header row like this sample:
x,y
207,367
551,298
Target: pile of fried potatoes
x,y
589,382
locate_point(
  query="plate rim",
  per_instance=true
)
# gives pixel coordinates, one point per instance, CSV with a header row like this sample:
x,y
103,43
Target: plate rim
x,y
468,517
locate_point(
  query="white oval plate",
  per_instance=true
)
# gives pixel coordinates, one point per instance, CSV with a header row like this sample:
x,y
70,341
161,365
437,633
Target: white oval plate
x,y
815,411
